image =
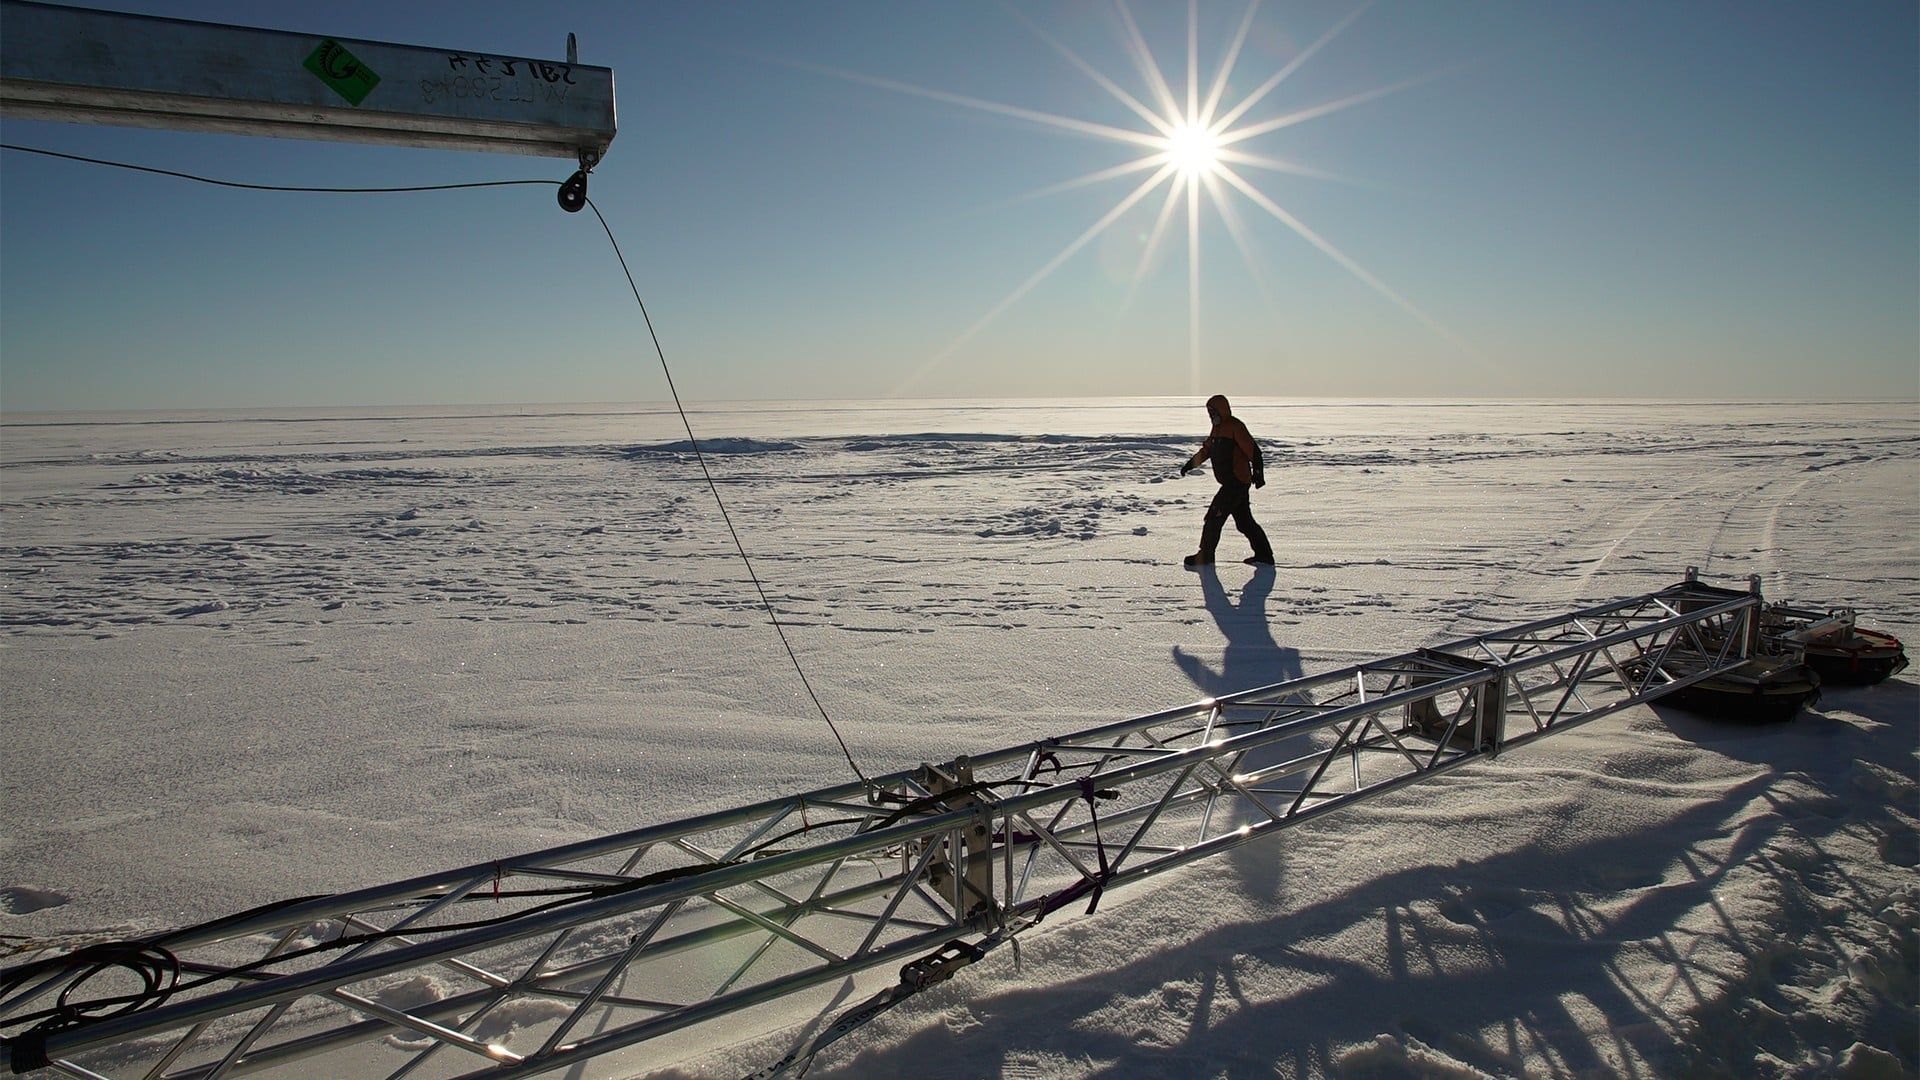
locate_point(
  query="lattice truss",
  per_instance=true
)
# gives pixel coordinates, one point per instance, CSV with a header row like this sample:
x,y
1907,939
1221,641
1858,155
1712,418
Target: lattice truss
x,y
653,936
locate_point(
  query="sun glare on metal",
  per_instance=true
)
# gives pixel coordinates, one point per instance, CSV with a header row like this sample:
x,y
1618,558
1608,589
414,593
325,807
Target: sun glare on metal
x,y
1196,148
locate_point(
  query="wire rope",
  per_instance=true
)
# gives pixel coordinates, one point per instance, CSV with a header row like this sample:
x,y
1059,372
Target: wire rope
x,y
692,440
715,488
216,182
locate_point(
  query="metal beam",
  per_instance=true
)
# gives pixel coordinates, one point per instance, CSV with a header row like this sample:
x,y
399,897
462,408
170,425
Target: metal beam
x,y
87,66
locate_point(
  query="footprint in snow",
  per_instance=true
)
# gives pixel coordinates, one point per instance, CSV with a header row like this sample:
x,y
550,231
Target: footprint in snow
x,y
25,900
191,610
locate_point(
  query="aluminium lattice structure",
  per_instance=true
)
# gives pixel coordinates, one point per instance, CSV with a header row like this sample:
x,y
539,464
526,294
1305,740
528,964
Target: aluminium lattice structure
x,y
644,941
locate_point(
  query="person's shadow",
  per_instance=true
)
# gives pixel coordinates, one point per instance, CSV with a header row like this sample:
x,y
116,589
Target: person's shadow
x,y
1250,659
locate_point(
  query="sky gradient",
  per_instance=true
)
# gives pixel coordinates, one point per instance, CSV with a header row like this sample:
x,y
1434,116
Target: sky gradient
x,y
1695,200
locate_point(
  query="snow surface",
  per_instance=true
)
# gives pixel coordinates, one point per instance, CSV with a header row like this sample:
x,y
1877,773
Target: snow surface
x,y
251,656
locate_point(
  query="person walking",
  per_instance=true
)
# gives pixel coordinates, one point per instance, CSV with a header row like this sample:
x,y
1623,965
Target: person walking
x,y
1237,466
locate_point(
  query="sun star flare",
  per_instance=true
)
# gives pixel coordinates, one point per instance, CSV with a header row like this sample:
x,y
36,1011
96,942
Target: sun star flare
x,y
1194,148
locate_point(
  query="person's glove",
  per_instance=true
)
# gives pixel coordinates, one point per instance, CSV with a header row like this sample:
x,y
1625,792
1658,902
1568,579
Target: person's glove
x,y
1259,479
1186,467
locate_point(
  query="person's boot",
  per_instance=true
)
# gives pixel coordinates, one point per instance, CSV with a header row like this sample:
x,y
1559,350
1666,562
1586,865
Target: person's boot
x,y
1199,558
1258,560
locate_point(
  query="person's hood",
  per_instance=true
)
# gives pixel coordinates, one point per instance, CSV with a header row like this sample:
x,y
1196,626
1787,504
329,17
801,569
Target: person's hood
x,y
1218,403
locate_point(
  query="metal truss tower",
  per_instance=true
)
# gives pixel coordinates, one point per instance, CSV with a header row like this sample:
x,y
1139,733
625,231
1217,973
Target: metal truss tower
x,y
611,943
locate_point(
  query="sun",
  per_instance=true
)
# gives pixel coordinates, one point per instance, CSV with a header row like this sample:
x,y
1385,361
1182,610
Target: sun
x,y
1194,150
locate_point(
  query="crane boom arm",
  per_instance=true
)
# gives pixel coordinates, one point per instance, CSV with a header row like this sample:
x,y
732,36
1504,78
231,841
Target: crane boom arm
x,y
87,66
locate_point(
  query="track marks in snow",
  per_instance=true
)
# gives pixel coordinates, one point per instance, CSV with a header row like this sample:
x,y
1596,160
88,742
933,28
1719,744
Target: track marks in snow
x,y
1071,518
594,532
1729,511
281,479
879,533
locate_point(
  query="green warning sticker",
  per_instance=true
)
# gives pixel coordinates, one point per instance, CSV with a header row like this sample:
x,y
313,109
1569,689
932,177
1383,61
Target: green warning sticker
x,y
338,68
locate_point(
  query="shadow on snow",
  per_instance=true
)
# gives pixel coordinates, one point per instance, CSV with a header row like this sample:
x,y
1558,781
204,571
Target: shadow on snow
x,y
1457,958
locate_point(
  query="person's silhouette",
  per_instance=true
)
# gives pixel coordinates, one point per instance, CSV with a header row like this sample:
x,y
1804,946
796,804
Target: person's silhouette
x,y
1238,467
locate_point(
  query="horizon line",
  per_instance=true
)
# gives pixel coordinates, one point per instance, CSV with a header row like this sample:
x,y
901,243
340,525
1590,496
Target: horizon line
x,y
57,417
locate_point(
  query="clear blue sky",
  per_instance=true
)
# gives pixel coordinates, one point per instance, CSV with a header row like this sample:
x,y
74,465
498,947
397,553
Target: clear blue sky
x,y
1669,199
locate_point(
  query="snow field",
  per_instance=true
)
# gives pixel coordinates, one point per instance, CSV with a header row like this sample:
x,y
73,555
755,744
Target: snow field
x,y
249,657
